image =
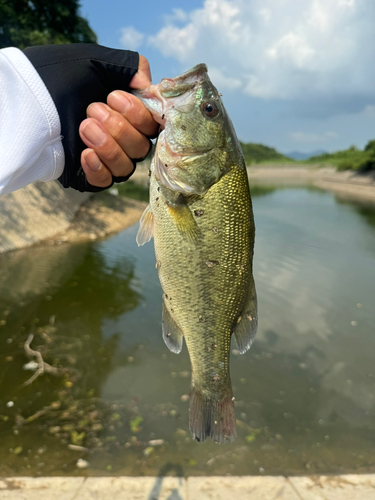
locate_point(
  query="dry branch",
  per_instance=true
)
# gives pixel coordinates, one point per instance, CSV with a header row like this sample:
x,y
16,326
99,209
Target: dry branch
x,y
43,367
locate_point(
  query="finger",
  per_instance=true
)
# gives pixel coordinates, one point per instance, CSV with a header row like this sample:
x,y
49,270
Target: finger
x,y
134,111
131,141
97,173
107,149
142,79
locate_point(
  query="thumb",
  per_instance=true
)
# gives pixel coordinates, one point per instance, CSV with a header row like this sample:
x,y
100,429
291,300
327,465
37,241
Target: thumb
x,y
142,79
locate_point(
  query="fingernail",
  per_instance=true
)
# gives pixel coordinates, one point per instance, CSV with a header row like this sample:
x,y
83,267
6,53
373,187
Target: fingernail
x,y
93,162
94,133
98,111
120,102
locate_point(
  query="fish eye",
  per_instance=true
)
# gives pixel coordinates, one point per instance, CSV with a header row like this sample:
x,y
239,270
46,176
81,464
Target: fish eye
x,y
210,109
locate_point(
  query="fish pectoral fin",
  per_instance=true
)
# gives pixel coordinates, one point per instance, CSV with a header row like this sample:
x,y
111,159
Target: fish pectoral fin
x,y
247,322
146,228
184,221
172,333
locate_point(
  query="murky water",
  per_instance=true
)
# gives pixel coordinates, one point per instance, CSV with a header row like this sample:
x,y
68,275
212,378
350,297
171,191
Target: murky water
x,y
304,393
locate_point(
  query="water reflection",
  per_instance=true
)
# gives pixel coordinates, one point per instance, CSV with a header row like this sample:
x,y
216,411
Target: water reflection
x,y
304,393
75,292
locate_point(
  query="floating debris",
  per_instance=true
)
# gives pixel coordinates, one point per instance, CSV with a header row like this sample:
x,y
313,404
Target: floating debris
x,y
82,464
135,424
75,447
31,366
156,442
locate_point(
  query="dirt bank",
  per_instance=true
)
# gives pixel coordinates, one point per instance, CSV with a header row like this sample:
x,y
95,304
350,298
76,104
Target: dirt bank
x,y
106,213
347,183
101,215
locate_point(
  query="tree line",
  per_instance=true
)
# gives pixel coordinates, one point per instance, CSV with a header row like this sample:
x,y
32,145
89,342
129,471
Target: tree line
x,y
24,23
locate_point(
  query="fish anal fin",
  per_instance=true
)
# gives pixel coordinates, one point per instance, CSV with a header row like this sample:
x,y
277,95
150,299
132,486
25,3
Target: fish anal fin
x,y
146,228
247,323
172,334
184,221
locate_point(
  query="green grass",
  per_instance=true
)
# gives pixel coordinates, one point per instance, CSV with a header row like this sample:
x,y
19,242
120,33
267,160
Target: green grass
x,y
257,153
349,159
133,190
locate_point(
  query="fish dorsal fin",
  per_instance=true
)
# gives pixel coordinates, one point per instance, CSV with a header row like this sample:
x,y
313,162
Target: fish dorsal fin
x,y
247,323
184,221
146,228
172,334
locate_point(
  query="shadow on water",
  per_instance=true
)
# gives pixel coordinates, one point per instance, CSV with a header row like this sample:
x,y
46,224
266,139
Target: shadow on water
x,y
364,208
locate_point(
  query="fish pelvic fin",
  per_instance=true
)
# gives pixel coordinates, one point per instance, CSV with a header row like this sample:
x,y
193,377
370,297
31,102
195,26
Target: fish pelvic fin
x,y
247,322
146,227
212,417
172,334
184,221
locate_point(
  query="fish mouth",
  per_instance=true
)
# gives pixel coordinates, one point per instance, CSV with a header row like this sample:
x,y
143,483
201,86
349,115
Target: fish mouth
x,y
199,70
157,98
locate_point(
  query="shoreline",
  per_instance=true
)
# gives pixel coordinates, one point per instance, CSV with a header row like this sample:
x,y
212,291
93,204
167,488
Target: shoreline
x,y
106,213
343,487
99,217
348,184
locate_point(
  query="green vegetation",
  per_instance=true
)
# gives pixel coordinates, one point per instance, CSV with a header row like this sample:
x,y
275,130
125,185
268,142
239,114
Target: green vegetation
x,y
24,23
350,159
256,153
133,190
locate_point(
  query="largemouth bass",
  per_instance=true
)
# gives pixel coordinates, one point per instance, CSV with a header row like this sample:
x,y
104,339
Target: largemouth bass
x,y
201,218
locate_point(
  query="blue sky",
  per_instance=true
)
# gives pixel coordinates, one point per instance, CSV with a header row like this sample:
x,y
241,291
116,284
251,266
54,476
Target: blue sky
x,y
294,74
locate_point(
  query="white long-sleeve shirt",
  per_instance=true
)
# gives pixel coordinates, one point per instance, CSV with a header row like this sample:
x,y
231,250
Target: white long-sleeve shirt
x,y
30,130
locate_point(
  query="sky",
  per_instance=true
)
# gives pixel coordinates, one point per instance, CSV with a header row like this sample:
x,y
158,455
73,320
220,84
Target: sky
x,y
297,75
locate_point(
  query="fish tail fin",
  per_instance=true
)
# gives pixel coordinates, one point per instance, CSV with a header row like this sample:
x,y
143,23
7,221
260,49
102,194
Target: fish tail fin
x,y
212,417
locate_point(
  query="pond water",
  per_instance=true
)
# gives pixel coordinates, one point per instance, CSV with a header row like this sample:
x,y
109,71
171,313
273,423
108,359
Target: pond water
x,y
304,392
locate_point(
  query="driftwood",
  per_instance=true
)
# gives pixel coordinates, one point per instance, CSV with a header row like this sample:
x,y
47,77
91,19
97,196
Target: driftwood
x,y
43,367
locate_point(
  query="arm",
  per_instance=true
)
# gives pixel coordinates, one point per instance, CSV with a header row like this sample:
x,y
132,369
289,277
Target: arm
x,y
52,87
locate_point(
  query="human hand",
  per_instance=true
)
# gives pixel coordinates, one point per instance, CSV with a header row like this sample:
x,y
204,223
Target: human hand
x,y
77,75
117,133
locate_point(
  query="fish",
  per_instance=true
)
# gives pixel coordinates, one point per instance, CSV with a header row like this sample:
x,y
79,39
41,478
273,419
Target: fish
x,y
201,218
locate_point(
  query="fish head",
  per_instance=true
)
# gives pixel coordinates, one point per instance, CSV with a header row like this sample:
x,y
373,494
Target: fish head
x,y
196,135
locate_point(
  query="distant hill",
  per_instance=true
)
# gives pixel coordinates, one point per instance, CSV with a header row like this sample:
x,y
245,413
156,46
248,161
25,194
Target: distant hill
x,y
297,155
256,153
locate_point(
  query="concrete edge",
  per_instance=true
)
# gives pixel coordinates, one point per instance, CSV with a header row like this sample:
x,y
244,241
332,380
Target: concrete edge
x,y
343,487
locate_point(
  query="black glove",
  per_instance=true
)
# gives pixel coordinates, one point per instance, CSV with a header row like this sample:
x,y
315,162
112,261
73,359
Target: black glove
x,y
77,75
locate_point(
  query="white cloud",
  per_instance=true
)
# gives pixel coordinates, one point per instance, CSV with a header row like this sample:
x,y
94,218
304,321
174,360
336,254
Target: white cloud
x,y
303,137
131,38
177,15
289,49
223,81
